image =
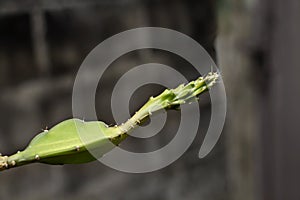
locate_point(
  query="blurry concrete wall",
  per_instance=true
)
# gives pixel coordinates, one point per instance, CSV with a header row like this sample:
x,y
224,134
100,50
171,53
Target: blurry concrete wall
x,y
42,44
280,125
258,51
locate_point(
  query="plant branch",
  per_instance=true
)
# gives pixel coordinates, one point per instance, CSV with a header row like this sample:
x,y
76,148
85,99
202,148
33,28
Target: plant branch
x,y
63,145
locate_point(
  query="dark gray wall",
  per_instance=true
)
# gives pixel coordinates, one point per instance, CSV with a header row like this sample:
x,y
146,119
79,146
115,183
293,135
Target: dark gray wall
x,y
42,44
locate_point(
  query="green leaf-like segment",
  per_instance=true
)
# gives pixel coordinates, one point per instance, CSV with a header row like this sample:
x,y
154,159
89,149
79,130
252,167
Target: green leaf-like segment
x,y
63,144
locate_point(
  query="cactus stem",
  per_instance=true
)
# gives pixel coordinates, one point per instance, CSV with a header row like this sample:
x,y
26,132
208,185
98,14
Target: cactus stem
x,y
170,99
67,146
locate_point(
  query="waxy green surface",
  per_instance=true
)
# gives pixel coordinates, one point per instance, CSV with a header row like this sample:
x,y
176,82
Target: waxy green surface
x,y
71,141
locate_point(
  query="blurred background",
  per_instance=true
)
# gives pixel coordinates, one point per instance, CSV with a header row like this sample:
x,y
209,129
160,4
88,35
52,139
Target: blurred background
x,y
256,46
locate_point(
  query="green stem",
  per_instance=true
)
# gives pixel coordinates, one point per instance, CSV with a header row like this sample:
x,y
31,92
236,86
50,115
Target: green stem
x,y
170,99
62,144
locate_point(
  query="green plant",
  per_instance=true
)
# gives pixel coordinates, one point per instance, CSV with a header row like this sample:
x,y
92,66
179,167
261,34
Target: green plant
x,y
62,144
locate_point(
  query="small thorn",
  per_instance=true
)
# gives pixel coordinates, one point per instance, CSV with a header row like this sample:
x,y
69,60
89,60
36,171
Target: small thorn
x,y
37,157
45,130
13,163
77,148
18,151
115,126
